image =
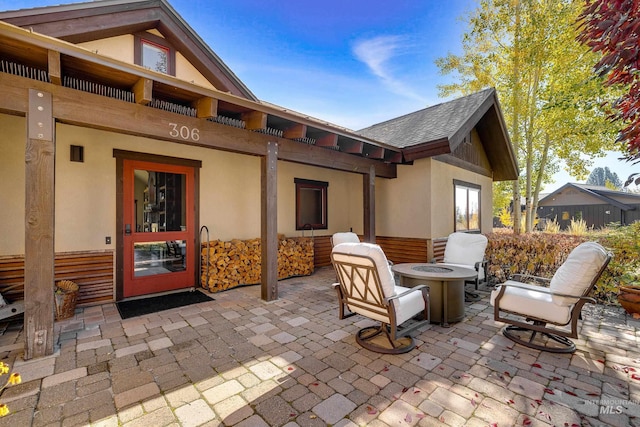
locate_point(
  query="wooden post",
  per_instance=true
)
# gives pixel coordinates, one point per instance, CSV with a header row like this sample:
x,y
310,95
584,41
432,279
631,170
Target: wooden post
x,y
39,257
369,199
269,223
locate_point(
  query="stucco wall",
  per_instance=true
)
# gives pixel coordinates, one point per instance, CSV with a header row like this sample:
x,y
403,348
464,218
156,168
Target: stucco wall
x,y
419,203
85,197
403,204
121,48
12,182
344,198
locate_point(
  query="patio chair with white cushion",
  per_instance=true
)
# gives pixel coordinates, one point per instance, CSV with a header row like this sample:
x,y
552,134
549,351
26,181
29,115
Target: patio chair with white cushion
x,y
367,287
344,237
467,250
537,315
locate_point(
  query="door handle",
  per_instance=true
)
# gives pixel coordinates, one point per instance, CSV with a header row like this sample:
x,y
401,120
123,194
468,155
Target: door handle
x,y
127,229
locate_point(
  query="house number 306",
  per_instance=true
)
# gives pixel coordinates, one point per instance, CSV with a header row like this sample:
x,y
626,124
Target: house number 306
x,y
184,132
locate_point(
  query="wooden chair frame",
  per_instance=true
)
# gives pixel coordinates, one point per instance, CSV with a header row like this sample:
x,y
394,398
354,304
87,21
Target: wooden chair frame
x,y
534,326
371,299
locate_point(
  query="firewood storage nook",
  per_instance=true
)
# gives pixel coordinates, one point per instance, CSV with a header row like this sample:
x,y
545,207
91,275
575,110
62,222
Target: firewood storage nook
x,y
237,262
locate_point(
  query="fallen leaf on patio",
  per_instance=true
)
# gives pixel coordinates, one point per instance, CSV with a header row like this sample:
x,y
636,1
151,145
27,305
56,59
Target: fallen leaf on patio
x,y
570,393
544,414
404,390
635,376
416,391
441,419
593,394
510,401
493,425
473,402
556,378
601,361
537,365
441,367
291,415
313,417
407,419
526,422
314,384
507,373
421,416
548,390
290,368
539,402
386,368
371,410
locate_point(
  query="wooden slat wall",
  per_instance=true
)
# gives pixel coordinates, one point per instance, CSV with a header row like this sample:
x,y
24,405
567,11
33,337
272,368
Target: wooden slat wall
x,y
322,251
404,249
438,246
92,271
397,249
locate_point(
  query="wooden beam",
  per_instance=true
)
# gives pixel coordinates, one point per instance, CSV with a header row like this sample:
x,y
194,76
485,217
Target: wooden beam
x,y
206,107
329,140
55,67
269,223
296,131
143,91
393,156
100,112
39,226
369,209
255,120
373,152
351,146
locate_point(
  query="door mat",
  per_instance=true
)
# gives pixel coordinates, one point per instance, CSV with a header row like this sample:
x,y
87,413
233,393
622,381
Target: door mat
x,y
142,306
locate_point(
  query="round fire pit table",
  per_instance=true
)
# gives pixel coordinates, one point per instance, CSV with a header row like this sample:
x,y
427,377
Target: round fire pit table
x,y
446,287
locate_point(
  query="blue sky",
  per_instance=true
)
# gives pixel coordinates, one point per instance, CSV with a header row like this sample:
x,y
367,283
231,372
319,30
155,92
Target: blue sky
x,y
350,62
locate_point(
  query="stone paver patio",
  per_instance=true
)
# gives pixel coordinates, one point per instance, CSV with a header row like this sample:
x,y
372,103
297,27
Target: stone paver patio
x,y
241,361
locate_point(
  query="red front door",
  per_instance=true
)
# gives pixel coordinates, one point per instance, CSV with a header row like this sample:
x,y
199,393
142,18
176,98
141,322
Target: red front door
x,y
159,237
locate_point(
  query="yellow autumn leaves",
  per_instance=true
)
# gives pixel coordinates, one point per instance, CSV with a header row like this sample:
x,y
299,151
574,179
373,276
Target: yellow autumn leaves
x,y
13,379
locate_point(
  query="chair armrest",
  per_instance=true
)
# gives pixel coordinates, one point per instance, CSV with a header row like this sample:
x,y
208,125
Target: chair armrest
x,y
408,291
335,284
537,279
545,290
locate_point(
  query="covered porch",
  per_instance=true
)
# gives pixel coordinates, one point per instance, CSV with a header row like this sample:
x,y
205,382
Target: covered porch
x,y
240,360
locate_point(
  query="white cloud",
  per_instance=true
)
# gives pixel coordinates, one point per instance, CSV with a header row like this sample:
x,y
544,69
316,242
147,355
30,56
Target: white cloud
x,y
377,54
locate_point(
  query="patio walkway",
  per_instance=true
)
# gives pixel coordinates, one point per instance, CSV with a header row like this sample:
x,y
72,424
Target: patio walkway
x,y
241,361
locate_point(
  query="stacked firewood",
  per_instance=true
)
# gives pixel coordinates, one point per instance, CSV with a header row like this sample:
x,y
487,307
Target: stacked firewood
x,y
237,262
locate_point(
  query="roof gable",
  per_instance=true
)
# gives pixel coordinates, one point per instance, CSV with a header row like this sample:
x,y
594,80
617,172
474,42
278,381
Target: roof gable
x,y
596,192
441,128
83,22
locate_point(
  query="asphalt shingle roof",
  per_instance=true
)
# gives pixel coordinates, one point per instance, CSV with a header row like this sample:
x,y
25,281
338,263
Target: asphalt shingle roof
x,y
430,124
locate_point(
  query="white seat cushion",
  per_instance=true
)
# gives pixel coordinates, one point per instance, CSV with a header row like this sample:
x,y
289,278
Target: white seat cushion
x,y
531,302
465,250
408,305
575,275
344,237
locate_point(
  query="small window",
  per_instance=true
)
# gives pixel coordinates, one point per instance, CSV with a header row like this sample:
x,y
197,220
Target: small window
x,y
467,206
311,204
154,53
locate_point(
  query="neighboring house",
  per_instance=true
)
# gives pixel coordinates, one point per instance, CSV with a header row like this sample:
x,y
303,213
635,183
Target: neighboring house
x,y
596,205
123,134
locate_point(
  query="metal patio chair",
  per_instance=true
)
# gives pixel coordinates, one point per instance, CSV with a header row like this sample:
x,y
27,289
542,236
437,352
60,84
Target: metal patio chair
x,y
537,315
367,287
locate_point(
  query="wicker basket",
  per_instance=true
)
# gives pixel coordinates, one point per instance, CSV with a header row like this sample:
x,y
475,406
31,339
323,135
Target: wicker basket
x,y
66,298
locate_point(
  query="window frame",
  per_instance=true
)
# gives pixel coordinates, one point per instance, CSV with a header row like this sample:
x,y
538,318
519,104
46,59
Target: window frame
x,y
141,38
468,186
323,186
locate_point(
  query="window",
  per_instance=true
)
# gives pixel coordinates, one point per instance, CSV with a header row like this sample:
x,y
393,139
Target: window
x,y
311,204
467,206
154,53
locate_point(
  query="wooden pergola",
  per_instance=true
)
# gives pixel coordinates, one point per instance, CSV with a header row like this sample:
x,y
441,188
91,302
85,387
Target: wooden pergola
x,y
50,81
